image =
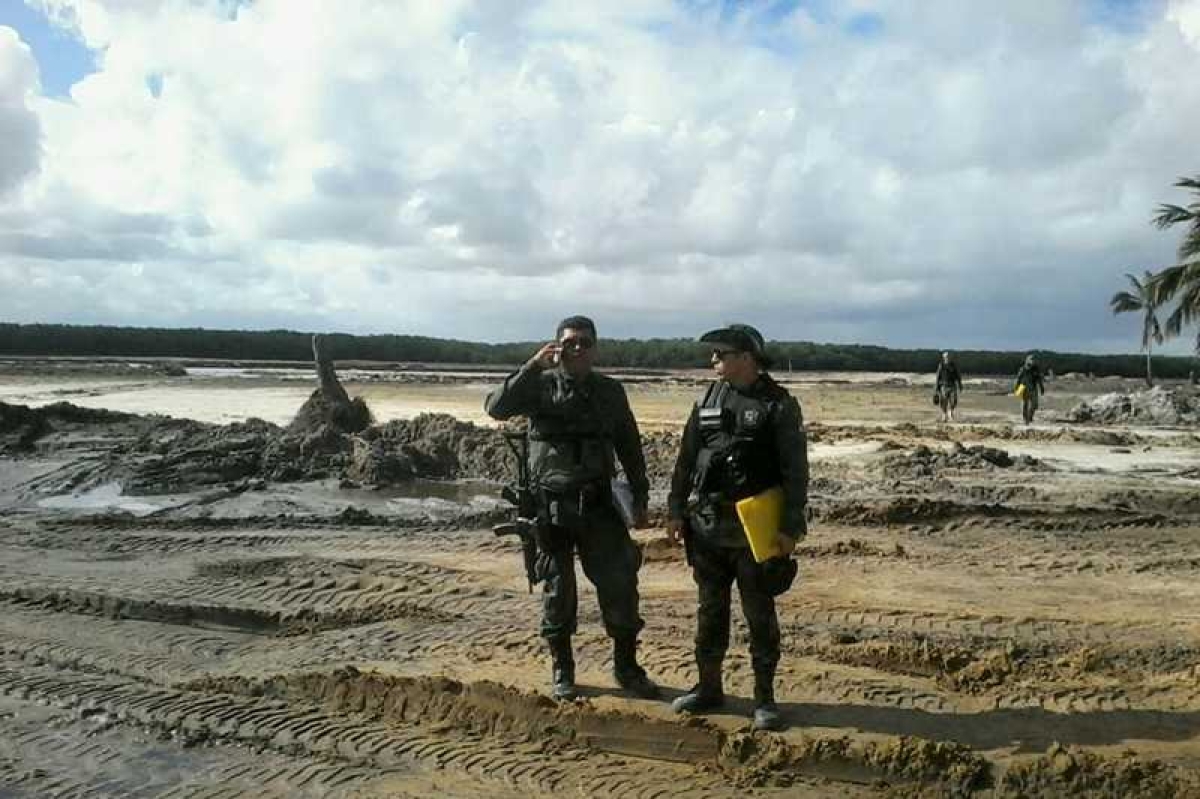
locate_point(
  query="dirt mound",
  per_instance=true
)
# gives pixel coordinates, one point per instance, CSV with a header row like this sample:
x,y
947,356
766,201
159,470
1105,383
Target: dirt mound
x,y
435,445
22,426
1064,771
926,462
317,411
850,548
1158,406
180,457
319,453
482,708
947,768
907,432
901,510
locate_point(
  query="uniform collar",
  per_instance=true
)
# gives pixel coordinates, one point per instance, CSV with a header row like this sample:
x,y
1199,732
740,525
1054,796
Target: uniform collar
x,y
754,388
575,382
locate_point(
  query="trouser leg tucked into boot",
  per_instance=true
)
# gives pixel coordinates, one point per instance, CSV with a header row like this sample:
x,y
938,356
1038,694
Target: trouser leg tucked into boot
x,y
766,712
707,694
626,671
563,679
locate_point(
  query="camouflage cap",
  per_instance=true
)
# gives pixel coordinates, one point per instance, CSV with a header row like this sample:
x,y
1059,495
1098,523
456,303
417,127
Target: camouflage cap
x,y
741,337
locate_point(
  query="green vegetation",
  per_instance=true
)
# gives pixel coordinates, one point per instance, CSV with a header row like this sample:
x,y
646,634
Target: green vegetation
x,y
1181,281
1141,299
658,353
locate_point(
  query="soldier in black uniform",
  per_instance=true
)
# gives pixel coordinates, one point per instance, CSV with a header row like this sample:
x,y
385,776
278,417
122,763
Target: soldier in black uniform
x,y
577,420
744,436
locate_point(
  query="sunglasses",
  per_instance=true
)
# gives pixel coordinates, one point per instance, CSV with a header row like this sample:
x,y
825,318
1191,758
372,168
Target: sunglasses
x,y
721,355
578,343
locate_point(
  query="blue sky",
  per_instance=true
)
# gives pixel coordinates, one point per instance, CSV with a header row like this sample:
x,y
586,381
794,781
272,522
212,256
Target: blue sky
x,y
62,58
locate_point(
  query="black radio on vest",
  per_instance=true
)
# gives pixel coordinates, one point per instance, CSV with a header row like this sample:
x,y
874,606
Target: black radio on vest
x,y
738,457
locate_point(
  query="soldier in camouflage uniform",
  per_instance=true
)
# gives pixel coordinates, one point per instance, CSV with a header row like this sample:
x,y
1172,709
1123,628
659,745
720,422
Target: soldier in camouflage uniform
x,y
947,384
578,419
1030,376
744,436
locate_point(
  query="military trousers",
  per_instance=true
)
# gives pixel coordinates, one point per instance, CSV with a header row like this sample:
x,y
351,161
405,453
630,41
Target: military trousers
x,y
715,569
610,559
1029,404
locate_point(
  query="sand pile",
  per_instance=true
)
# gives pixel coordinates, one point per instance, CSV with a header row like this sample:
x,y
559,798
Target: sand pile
x,y
433,445
1158,406
21,427
182,455
318,411
926,462
157,455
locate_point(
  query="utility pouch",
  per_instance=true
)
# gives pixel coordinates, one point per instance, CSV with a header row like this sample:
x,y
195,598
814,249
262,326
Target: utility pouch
x,y
712,419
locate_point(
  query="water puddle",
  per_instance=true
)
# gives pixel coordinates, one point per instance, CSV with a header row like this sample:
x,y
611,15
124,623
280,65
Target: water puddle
x,y
1095,458
109,497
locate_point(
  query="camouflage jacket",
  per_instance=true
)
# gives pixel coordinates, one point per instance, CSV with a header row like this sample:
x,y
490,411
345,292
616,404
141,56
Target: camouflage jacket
x,y
575,427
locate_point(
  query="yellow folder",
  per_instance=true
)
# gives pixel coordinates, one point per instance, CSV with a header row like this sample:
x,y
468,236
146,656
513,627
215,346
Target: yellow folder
x,y
1020,391
761,516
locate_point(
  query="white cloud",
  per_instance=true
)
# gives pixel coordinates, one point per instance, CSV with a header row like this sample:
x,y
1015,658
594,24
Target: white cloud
x,y
19,129
478,168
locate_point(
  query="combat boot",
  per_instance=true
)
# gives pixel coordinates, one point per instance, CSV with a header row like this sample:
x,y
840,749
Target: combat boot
x,y
563,679
707,694
766,712
628,674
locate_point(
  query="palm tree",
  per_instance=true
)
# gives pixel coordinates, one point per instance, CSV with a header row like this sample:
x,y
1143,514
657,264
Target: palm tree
x,y
1181,281
1141,299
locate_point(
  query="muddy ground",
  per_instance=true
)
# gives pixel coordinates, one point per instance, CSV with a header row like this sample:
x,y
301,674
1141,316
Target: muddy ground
x,y
983,610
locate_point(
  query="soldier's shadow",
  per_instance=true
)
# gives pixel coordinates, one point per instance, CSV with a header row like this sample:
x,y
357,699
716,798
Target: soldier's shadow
x,y
586,691
1021,729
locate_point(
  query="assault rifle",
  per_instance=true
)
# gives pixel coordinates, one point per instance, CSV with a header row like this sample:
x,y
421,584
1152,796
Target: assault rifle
x,y
520,495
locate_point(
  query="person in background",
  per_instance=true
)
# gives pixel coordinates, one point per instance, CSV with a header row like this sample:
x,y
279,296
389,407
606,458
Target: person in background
x,y
1030,385
947,384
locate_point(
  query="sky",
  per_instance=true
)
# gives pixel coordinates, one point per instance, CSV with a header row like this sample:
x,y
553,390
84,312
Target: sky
x,y
911,173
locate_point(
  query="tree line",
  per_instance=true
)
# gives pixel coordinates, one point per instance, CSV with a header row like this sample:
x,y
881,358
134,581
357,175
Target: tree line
x,y
656,353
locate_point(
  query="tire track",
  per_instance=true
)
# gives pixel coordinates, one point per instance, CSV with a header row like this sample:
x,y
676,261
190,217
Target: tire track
x,y
302,728
48,752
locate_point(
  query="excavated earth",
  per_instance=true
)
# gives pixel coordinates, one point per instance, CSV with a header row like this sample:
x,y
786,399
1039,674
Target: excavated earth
x,y
192,610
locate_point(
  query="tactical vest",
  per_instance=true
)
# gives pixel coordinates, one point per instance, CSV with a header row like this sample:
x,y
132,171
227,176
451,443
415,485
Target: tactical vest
x,y
738,456
570,441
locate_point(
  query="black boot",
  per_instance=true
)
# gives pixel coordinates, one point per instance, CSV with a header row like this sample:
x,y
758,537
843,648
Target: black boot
x,y
563,681
626,671
766,712
707,694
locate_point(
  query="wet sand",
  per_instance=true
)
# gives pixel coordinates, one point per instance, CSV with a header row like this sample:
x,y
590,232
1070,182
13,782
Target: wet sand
x,y
960,627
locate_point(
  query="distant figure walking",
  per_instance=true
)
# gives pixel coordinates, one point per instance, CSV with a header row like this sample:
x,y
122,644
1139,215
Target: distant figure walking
x,y
947,384
1029,386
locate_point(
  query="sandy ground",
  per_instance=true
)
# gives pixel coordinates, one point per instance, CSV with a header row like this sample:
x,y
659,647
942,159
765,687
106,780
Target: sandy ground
x,y
959,627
